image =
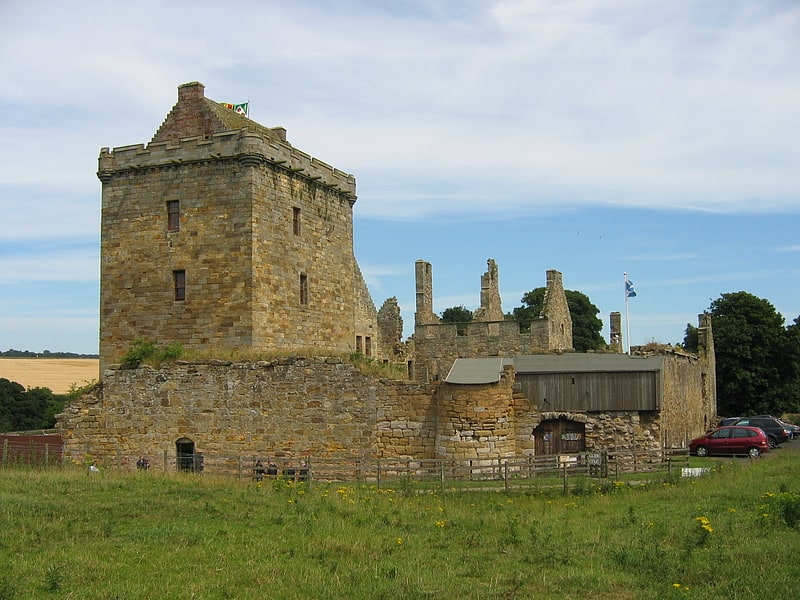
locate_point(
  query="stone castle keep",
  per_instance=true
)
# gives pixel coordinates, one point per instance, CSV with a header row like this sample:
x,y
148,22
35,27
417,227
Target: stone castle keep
x,y
219,234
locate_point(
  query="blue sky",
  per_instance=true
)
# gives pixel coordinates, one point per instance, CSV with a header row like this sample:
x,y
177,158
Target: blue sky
x,y
660,139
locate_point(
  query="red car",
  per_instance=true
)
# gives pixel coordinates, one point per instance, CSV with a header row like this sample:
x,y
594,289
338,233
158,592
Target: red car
x,y
734,439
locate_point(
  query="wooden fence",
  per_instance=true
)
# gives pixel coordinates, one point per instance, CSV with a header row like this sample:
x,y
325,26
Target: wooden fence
x,y
505,473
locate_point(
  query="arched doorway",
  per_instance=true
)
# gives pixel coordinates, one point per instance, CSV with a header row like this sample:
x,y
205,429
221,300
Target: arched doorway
x,y
559,436
187,458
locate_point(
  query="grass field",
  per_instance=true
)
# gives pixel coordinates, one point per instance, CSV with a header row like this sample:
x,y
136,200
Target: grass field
x,y
733,534
58,374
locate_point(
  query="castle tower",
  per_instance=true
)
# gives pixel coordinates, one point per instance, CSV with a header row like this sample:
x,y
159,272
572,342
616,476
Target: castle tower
x,y
221,235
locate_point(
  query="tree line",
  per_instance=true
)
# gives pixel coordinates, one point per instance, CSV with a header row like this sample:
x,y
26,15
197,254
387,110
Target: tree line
x,y
11,353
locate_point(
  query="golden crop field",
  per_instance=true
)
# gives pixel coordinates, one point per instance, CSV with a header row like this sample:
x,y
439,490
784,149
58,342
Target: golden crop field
x,y
58,374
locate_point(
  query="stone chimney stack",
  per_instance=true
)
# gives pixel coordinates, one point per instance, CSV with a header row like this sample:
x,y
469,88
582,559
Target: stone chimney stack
x,y
615,337
424,278
191,92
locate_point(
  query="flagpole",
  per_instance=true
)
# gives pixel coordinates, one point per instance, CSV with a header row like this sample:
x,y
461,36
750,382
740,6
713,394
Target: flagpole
x,y
627,317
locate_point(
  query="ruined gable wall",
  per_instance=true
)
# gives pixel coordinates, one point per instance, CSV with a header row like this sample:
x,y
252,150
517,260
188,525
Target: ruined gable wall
x,y
556,310
687,410
390,331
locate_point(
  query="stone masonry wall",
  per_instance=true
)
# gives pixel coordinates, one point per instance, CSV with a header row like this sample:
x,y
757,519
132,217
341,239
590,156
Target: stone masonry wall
x,y
319,407
437,345
265,240
288,407
476,423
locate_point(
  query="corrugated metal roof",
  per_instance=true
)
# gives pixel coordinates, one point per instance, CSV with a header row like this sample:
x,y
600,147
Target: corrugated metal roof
x,y
488,370
476,370
585,362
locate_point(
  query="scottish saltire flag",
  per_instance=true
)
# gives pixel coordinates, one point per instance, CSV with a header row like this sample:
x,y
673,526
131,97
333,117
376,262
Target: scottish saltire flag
x,y
630,291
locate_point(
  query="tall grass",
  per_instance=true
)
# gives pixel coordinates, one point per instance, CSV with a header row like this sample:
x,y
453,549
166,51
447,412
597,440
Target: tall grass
x,y
66,534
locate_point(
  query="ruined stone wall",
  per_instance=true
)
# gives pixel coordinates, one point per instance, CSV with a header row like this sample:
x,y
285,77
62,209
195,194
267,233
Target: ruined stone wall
x,y
390,331
436,347
476,422
623,431
320,407
407,417
288,407
556,310
688,408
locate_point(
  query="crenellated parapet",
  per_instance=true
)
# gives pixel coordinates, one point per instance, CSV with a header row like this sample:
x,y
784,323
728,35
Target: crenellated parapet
x,y
251,149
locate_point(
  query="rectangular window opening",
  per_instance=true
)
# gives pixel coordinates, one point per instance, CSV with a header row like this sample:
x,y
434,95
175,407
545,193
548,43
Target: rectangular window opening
x,y
173,215
303,288
296,220
179,281
359,345
367,346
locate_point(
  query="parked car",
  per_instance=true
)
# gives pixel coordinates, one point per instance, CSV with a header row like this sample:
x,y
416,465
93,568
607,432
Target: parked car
x,y
733,440
728,421
793,429
777,433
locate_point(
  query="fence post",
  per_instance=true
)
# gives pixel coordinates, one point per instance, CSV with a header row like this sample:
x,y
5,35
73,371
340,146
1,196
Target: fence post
x,y
378,475
240,467
566,485
441,475
308,473
669,466
5,451
165,461
119,459
505,474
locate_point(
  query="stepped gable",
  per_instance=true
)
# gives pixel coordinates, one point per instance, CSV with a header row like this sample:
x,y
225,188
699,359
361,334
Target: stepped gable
x,y
194,115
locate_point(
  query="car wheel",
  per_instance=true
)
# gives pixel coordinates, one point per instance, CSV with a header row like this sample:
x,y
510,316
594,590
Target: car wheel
x,y
773,443
754,452
701,451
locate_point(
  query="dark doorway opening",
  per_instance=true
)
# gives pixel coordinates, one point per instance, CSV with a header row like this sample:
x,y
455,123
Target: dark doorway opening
x,y
188,459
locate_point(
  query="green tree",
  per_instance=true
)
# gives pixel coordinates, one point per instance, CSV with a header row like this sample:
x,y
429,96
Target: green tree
x,y
750,342
691,340
586,325
791,367
22,410
456,314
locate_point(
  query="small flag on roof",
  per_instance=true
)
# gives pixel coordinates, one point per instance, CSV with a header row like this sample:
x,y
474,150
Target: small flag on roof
x,y
242,109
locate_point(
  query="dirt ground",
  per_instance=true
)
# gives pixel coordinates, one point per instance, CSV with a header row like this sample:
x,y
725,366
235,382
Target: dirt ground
x,y
58,374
